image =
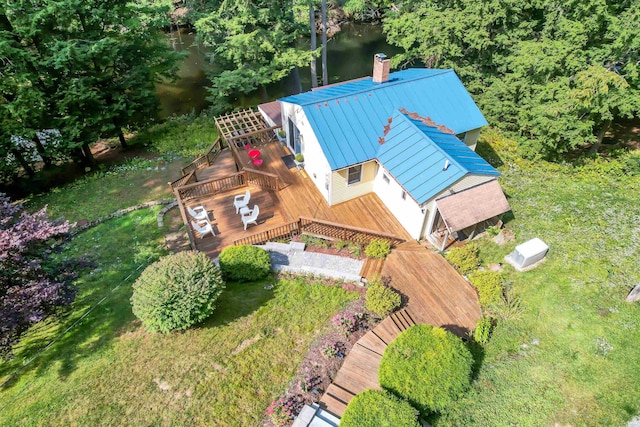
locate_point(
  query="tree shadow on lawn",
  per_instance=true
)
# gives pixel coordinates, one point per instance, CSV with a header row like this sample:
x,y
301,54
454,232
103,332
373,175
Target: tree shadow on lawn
x,y
487,152
114,318
239,300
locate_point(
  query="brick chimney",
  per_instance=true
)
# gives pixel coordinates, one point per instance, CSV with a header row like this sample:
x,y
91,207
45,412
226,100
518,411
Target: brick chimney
x,y
381,66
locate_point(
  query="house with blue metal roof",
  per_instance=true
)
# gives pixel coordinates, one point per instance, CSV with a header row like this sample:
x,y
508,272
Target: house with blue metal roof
x,y
409,137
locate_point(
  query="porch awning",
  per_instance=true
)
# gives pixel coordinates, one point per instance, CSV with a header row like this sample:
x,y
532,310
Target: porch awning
x,y
473,205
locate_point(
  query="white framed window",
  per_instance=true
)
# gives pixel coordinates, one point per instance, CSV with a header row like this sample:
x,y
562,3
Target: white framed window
x,y
354,174
385,178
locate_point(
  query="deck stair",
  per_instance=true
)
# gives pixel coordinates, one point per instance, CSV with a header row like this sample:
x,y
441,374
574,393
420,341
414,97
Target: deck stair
x,y
360,370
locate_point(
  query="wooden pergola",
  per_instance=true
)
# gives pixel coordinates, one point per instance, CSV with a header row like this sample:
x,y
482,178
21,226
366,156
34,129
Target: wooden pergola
x,y
241,127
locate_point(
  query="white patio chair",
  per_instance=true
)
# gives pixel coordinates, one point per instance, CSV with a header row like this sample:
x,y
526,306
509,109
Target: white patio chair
x,y
198,212
251,217
241,200
203,228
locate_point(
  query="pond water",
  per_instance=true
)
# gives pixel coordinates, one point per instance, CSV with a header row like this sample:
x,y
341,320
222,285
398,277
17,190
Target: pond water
x,y
349,55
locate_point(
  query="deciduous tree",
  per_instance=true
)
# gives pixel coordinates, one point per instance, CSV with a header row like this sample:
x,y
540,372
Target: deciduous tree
x,y
32,284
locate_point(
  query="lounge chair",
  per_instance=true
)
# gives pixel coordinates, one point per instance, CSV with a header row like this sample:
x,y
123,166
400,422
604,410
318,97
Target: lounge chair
x,y
241,200
198,212
251,217
203,228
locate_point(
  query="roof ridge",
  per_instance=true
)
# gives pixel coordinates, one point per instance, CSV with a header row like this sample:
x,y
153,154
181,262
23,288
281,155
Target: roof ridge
x,y
379,86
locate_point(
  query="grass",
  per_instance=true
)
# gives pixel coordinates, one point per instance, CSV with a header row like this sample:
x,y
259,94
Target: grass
x,y
585,369
175,143
109,371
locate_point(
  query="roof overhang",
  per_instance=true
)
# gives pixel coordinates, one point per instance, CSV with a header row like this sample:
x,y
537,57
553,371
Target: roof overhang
x,y
473,205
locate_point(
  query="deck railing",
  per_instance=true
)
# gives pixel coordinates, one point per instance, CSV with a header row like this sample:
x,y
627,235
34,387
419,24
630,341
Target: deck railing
x,y
286,231
206,159
262,179
211,187
320,228
335,231
189,178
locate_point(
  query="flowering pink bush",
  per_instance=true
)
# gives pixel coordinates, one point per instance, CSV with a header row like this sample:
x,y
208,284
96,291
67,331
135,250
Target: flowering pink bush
x,y
281,411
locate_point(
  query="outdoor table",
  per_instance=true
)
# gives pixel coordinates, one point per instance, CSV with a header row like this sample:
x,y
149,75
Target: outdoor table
x,y
254,154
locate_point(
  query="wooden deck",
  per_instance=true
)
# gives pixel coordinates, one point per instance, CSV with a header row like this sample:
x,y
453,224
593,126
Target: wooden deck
x,y
297,197
434,293
359,371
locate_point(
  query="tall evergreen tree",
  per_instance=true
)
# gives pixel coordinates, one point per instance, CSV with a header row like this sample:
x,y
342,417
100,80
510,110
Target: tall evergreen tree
x,y
253,45
555,73
86,68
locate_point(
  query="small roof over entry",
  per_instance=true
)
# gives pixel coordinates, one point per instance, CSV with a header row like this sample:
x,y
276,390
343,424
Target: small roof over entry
x,y
472,206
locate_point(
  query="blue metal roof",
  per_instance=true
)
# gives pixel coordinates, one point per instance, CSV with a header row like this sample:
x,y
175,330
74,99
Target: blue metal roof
x,y
347,118
415,154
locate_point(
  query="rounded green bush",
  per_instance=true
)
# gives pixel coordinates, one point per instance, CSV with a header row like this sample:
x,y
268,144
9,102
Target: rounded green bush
x,y
176,292
378,408
381,299
489,286
378,248
428,366
464,258
244,263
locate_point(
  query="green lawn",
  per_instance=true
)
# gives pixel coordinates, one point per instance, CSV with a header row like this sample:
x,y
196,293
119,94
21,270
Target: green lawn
x,y
586,368
109,371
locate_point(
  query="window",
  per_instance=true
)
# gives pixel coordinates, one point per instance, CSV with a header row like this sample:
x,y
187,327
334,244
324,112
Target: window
x,y
385,178
404,195
354,174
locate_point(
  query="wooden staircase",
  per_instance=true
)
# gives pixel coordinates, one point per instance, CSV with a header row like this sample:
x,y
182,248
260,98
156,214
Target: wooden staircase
x,y
360,369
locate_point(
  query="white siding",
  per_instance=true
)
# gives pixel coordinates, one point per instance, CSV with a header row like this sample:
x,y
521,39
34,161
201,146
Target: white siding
x,y
471,138
315,163
406,211
341,192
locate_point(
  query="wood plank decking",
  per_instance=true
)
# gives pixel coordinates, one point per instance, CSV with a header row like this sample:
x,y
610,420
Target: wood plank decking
x,y
434,293
297,197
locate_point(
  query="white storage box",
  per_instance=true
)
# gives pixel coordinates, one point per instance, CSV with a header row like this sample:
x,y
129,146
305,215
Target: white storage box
x,y
528,253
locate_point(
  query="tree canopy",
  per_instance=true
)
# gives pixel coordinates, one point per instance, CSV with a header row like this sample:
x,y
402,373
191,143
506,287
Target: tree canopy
x,y
253,45
84,68
555,73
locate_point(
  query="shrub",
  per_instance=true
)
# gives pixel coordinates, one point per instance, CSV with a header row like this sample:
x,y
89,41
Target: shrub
x,y
428,366
464,258
378,248
314,241
348,323
340,244
382,300
378,408
482,332
489,286
176,292
244,263
336,349
355,250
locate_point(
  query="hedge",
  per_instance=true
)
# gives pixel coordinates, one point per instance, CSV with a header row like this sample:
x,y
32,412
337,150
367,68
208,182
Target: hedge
x,y
428,366
244,263
176,292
